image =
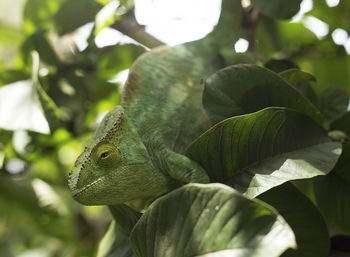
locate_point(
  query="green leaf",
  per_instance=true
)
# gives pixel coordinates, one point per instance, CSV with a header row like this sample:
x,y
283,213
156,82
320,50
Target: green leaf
x,y
117,58
307,223
279,65
278,9
26,106
38,14
262,150
10,76
293,76
300,80
229,27
342,124
200,219
38,42
342,168
245,88
125,217
114,244
106,16
48,106
333,104
333,197
21,109
75,13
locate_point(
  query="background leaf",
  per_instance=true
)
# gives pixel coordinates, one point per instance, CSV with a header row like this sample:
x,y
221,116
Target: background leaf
x,y
117,58
114,243
342,124
207,219
258,151
106,16
245,88
333,104
333,198
76,13
300,80
125,217
37,14
307,223
278,9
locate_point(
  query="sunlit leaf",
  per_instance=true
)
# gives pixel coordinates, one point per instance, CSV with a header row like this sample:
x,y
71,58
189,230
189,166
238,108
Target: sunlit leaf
x,y
48,197
21,109
201,219
258,151
106,16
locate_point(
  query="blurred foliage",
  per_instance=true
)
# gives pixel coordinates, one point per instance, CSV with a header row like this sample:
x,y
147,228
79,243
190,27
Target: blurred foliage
x,y
53,93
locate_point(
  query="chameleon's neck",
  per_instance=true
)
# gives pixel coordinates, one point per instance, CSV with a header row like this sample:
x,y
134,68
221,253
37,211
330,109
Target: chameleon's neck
x,y
170,110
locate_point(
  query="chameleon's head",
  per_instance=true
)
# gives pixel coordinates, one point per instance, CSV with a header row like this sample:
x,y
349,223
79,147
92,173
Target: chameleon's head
x,y
115,167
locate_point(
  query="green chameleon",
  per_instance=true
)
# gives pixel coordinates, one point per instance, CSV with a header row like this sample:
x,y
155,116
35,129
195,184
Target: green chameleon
x,y
137,151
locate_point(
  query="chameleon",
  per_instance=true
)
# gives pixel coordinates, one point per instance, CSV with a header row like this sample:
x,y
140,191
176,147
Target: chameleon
x,y
137,152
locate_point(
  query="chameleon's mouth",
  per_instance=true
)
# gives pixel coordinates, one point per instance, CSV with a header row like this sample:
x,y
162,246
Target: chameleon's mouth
x,y
77,192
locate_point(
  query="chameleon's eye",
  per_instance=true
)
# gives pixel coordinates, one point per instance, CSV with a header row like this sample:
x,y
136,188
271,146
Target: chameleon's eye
x,y
106,155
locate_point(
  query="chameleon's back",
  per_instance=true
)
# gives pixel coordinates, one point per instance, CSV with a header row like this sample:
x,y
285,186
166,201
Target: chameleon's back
x,y
163,94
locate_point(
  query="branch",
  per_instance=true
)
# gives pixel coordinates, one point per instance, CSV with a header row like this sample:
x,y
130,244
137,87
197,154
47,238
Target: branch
x,y
130,27
250,22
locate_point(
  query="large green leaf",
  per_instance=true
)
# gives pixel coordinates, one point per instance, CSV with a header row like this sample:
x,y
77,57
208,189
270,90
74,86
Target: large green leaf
x,y
333,197
333,104
279,9
262,150
202,219
245,88
307,223
75,13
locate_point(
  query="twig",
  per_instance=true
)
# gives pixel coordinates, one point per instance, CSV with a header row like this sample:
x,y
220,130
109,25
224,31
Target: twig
x,y
130,27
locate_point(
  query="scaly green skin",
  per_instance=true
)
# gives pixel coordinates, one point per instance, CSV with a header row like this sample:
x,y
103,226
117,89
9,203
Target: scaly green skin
x,y
136,154
149,131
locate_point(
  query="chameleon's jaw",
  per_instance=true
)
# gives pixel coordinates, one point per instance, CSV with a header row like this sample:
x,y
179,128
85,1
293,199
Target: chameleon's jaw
x,y
79,194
